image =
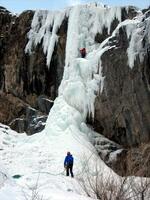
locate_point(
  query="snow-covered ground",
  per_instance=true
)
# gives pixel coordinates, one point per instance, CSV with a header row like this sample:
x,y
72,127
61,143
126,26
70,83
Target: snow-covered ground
x,y
38,159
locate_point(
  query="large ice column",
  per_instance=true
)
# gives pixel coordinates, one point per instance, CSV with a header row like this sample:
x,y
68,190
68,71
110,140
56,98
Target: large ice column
x,y
72,43
78,86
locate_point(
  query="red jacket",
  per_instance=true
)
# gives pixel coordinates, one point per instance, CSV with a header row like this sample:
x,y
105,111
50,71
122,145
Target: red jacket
x,y
83,51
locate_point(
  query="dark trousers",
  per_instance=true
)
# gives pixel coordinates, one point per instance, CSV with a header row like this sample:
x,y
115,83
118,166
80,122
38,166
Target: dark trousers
x,y
83,55
69,168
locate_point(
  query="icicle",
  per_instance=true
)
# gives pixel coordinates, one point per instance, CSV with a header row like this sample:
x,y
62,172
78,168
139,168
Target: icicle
x,y
104,18
44,28
135,29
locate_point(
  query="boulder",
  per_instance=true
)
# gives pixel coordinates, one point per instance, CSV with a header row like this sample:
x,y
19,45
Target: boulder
x,y
31,123
44,104
36,125
19,125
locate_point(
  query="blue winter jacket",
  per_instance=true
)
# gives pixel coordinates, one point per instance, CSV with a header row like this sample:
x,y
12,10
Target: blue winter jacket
x,y
68,160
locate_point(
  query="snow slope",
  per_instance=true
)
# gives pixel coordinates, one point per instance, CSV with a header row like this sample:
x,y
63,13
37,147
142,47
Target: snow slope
x,y
38,159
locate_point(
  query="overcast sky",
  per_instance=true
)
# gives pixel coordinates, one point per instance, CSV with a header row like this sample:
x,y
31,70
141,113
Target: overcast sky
x,y
20,5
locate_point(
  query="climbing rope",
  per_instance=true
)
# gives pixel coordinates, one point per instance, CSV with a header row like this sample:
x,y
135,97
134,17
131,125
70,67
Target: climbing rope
x,y
52,174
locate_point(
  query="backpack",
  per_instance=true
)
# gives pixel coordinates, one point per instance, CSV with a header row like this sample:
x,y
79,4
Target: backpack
x,y
70,160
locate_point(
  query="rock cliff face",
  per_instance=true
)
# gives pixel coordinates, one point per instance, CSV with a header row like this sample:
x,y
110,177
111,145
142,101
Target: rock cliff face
x,y
22,76
123,109
28,86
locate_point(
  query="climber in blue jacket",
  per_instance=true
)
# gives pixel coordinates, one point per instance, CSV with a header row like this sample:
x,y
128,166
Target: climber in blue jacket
x,y
68,164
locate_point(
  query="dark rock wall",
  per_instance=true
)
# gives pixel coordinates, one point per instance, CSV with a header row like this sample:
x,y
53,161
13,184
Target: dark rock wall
x,y
27,76
29,73
122,112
